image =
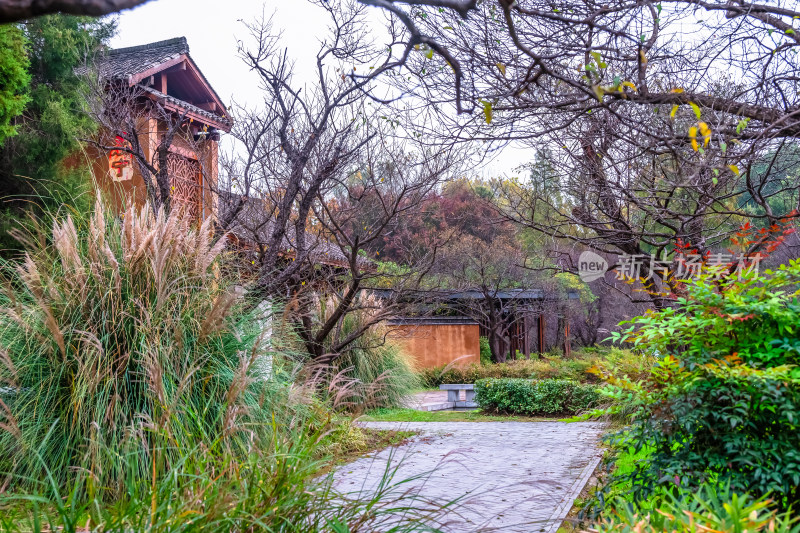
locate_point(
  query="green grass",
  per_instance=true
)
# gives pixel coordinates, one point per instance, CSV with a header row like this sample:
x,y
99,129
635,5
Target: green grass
x,y
412,415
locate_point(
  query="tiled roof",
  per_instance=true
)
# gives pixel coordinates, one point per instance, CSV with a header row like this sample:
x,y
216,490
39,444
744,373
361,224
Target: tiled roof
x,y
124,62
253,226
189,107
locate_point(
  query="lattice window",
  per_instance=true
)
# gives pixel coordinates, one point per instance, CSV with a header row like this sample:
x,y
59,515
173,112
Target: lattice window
x,y
184,177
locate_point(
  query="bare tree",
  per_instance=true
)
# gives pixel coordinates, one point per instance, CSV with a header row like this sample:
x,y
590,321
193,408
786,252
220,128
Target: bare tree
x,y
489,282
664,121
550,57
318,175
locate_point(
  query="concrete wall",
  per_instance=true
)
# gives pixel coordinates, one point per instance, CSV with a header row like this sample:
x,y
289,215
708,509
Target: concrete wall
x,y
433,345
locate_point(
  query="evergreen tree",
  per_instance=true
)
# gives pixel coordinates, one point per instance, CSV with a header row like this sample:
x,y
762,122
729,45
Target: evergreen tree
x,y
14,78
32,170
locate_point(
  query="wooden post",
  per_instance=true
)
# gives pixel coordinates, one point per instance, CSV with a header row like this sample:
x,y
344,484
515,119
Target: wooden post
x,y
541,333
526,341
161,83
567,346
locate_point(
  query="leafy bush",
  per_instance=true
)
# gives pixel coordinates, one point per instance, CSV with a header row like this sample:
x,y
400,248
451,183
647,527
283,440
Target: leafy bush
x,y
711,508
583,366
433,377
486,351
528,397
724,404
14,78
115,336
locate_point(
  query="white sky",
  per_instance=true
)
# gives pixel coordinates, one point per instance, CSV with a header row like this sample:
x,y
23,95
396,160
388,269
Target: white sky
x,y
212,27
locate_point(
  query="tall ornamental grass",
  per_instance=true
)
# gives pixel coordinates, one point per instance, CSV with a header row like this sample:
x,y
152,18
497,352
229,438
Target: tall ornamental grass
x,y
371,371
122,348
275,488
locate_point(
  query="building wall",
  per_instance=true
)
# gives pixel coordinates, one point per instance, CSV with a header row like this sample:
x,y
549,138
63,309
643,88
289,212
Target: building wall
x,y
433,345
118,193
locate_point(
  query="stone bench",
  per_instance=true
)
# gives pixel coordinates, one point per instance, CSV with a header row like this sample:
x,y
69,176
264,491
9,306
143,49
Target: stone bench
x,y
454,394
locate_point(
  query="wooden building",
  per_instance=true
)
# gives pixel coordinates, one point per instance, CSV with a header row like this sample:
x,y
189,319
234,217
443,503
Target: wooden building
x,y
163,76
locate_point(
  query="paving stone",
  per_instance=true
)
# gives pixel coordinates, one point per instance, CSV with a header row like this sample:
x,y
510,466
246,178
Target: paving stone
x,y
510,476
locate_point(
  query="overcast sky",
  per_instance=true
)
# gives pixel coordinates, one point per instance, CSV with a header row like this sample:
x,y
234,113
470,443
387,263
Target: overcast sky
x,y
212,28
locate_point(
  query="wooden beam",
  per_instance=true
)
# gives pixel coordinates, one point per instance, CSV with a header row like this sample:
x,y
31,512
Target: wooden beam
x,y
208,106
136,78
202,119
161,83
526,341
192,68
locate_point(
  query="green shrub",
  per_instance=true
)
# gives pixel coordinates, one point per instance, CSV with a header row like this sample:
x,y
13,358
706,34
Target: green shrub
x,y
14,78
711,508
579,368
486,351
723,404
529,397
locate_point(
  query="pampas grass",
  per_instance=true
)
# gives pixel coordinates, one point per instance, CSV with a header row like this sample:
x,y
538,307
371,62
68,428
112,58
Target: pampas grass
x,y
372,371
115,337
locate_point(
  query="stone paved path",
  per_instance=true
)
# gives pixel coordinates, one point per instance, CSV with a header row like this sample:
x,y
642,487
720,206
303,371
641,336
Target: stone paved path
x,y
421,400
513,476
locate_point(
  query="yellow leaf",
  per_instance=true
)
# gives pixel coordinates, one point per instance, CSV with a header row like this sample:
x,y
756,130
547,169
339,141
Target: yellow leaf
x,y
705,131
693,137
487,111
502,68
734,169
696,109
674,110
629,84
677,90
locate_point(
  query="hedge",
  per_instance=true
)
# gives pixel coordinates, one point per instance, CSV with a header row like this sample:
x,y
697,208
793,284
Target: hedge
x,y
532,397
576,369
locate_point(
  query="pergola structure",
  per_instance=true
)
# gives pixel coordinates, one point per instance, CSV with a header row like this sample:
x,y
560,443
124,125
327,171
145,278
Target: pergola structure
x,y
521,309
446,325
